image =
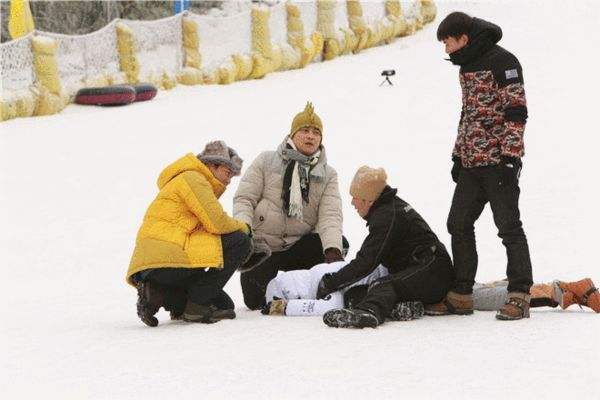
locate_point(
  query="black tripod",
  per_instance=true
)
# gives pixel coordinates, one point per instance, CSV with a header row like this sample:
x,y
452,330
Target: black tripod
x,y
387,73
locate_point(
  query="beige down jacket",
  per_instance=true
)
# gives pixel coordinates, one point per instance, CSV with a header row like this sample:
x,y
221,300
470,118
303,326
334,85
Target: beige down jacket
x,y
258,202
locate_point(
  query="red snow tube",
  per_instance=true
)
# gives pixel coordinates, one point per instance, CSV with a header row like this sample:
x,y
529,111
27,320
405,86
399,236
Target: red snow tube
x,y
144,92
106,96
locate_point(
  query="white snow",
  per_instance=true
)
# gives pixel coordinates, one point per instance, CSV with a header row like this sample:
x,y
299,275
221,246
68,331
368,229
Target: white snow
x,y
75,186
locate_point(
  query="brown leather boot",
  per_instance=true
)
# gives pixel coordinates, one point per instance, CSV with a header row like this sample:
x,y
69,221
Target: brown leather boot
x,y
583,293
516,307
454,303
207,314
543,295
151,297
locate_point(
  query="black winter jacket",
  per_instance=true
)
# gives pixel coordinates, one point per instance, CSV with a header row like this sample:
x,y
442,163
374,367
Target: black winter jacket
x,y
396,233
494,108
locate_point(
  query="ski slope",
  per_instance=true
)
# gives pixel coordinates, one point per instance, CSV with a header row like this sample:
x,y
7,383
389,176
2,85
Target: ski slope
x,y
75,186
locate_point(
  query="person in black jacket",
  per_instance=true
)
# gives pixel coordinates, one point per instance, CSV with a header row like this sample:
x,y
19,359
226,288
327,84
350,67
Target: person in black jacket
x,y
487,160
399,239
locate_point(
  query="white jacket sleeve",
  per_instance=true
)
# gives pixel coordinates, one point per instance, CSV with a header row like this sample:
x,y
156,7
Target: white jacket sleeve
x,y
250,191
308,308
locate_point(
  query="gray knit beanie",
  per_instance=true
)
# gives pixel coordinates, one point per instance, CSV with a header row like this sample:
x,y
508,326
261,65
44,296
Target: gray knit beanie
x,y
218,153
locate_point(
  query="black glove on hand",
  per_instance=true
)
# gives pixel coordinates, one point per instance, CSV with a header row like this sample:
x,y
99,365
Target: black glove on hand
x,y
456,167
332,254
325,286
510,170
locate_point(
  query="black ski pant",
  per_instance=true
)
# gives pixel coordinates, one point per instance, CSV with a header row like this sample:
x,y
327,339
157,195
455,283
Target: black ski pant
x,y
204,286
475,188
427,278
304,254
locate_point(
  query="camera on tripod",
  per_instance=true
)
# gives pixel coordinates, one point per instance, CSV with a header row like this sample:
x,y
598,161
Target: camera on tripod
x,y
387,73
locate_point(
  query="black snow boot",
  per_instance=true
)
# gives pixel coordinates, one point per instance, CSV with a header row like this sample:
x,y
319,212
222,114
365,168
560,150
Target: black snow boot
x,y
350,318
150,298
407,310
206,314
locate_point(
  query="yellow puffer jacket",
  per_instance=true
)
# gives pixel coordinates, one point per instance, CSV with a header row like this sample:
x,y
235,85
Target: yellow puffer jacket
x,y
183,226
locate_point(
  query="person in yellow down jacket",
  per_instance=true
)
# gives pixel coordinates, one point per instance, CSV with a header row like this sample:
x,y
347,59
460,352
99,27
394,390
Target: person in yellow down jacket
x,y
188,247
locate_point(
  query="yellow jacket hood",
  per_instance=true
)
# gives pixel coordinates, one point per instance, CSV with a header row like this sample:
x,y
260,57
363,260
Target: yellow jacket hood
x,y
190,162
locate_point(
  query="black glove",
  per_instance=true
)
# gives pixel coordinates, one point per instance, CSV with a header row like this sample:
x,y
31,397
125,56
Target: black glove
x,y
332,254
325,287
510,170
456,167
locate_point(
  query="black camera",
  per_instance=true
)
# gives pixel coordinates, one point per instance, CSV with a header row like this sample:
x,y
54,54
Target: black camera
x,y
388,72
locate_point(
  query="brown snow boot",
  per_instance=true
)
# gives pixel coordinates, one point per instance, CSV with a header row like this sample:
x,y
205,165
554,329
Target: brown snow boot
x,y
543,295
454,303
151,297
583,293
516,307
206,314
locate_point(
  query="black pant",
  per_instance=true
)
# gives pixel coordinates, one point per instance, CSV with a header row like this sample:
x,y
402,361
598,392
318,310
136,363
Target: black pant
x,y
304,254
476,187
427,278
206,286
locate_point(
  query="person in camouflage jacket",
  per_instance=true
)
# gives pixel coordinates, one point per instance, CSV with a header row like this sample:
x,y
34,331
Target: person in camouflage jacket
x,y
487,159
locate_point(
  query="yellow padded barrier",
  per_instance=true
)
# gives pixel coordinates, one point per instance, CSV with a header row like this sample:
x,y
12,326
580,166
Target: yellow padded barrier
x,y
190,76
393,7
227,73
428,10
127,54
357,24
260,66
317,41
244,65
49,103
18,104
308,48
168,81
350,39
291,57
45,63
326,25
261,35
191,43
277,57
295,27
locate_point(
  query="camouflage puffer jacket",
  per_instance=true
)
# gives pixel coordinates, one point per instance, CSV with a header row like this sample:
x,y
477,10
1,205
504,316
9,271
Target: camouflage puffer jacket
x,y
494,110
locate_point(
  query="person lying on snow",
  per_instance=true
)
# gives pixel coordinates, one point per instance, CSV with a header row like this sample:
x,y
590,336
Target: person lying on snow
x,y
419,266
188,247
294,293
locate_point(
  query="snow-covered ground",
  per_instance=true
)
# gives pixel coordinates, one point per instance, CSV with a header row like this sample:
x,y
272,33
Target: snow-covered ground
x,y
74,188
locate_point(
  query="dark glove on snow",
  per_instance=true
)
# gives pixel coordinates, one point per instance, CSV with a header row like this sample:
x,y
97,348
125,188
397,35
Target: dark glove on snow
x,y
332,255
510,170
456,167
325,287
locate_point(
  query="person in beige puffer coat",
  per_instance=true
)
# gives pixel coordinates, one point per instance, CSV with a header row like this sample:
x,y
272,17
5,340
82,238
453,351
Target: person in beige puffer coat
x,y
290,198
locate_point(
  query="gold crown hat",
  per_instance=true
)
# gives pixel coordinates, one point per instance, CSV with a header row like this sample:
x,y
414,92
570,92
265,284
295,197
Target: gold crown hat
x,y
368,183
306,118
